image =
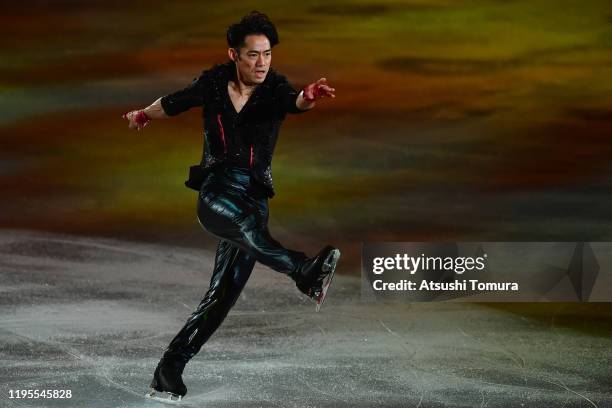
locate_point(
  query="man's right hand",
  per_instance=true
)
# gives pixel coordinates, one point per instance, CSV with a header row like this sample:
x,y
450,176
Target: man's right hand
x,y
137,119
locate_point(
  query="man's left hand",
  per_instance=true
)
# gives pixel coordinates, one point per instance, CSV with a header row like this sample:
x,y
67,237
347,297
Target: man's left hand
x,y
317,90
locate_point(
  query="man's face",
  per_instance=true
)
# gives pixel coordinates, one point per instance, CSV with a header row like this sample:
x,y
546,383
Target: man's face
x,y
254,59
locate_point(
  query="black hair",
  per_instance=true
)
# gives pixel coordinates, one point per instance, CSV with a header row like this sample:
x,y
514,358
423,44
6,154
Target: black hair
x,y
253,23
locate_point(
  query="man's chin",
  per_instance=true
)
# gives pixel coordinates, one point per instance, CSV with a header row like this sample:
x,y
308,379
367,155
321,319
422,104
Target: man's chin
x,y
256,79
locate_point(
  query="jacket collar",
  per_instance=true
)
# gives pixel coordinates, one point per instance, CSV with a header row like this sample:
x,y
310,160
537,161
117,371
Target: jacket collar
x,y
222,73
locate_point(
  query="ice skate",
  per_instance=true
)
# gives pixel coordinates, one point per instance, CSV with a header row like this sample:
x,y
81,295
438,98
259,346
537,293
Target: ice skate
x,y
329,267
316,275
167,385
165,397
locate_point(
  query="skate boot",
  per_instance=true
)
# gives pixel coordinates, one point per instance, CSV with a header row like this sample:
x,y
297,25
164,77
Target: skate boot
x,y
315,276
167,385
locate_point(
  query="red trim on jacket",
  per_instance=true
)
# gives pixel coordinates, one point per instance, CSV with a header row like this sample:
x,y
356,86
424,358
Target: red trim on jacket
x,y
221,132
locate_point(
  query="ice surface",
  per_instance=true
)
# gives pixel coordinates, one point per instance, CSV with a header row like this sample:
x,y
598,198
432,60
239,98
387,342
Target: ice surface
x,y
94,315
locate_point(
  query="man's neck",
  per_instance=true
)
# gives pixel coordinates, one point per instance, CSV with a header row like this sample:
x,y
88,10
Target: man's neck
x,y
243,88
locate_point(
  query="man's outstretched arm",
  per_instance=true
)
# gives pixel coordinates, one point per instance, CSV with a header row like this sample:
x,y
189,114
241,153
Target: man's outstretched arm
x,y
170,105
293,101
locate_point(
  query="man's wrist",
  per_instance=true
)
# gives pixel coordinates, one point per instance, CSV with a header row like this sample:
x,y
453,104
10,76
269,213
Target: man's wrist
x,y
141,118
306,97
304,104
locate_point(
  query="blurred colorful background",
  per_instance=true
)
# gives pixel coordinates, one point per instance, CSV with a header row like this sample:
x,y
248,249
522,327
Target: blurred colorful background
x,y
454,120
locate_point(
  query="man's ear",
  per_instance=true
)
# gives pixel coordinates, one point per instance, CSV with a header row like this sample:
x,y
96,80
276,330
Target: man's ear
x,y
233,54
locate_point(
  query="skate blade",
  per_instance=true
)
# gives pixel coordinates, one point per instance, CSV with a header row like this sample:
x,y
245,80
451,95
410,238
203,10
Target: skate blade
x,y
165,397
329,265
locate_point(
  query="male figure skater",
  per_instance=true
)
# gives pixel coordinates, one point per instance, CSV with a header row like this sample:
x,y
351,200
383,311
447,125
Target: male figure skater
x,y
244,103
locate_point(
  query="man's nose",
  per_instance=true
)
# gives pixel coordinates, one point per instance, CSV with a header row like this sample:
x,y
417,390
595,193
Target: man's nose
x,y
260,60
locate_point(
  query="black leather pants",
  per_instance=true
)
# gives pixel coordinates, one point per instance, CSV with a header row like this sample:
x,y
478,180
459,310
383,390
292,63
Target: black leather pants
x,y
230,208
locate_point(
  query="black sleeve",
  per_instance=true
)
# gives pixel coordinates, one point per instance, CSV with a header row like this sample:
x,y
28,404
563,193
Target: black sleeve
x,y
185,99
287,96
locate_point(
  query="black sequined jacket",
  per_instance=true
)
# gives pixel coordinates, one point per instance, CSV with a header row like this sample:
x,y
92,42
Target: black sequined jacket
x,y
243,139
